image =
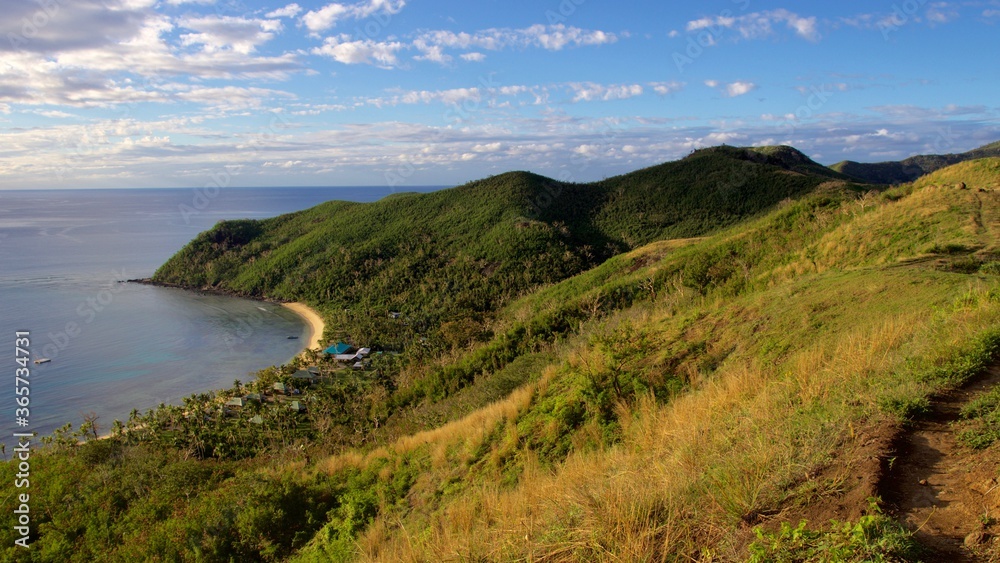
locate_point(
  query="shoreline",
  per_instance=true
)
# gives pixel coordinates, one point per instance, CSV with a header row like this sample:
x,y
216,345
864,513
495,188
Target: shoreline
x,y
307,313
313,321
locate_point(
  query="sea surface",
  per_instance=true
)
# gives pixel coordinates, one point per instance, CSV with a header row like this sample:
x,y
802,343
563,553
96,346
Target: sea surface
x,y
115,346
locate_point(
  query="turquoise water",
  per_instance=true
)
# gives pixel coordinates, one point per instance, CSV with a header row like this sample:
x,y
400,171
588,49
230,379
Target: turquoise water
x,y
117,346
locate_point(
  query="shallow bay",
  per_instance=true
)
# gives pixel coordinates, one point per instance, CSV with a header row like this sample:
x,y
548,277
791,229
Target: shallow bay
x,y
119,346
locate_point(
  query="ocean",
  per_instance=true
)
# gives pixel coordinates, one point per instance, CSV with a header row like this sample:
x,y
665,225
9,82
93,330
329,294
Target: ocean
x,y
120,346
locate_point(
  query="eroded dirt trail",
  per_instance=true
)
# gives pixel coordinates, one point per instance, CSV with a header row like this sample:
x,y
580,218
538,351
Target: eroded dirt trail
x,y
947,492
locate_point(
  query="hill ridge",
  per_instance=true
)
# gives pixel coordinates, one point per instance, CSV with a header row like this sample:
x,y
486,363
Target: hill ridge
x,y
912,168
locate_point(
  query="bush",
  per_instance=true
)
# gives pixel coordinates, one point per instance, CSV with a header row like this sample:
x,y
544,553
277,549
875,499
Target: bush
x,y
873,538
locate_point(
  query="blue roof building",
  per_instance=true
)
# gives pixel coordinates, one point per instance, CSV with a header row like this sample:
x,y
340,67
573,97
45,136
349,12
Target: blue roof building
x,y
339,348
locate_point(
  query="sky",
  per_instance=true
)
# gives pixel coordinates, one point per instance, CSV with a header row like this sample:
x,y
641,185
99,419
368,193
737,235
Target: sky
x,y
228,93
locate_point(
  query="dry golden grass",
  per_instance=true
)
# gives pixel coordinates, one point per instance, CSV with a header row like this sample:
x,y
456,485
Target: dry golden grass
x,y
470,431
685,476
687,479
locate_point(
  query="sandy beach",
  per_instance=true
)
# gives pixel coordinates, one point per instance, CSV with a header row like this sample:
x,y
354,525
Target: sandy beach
x,y
312,318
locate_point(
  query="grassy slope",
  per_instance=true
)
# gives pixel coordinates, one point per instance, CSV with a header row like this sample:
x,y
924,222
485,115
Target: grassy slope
x,y
911,168
736,388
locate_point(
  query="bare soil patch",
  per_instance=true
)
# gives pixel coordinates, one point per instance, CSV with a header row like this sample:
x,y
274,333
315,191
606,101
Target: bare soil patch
x,y
945,491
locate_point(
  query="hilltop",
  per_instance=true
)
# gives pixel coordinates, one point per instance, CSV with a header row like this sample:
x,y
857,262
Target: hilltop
x,y
755,380
911,168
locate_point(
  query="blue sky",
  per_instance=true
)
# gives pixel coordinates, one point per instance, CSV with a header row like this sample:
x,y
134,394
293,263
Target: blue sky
x,y
192,93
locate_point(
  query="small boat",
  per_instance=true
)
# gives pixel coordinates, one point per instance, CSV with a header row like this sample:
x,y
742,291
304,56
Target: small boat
x,y
42,361
293,337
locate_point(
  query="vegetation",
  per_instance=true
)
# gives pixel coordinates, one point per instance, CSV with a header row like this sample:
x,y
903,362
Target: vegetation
x,y
873,538
448,260
661,405
911,168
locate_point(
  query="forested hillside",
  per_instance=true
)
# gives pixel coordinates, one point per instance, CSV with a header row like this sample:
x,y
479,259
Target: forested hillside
x,y
457,255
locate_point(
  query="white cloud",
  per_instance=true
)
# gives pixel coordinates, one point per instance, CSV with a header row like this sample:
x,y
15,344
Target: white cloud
x,y
665,88
54,114
759,25
939,13
141,153
548,37
330,15
289,11
433,46
217,33
724,138
230,98
324,18
367,51
434,54
452,96
733,89
488,147
590,91
589,151
99,53
488,97
739,88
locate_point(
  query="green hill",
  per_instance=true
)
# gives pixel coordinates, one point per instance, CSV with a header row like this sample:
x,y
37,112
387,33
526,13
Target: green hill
x,y
747,394
457,255
911,168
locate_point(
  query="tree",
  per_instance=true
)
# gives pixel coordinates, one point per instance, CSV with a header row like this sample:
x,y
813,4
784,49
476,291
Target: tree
x,y
89,427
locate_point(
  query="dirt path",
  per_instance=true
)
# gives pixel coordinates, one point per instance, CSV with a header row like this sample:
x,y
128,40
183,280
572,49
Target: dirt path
x,y
945,491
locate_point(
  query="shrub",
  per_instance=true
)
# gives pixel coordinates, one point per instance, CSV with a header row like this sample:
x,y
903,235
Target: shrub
x,y
873,538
